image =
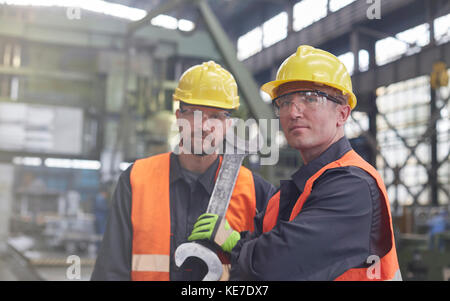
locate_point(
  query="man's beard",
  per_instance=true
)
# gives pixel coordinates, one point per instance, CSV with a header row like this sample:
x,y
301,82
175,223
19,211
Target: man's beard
x,y
200,148
211,148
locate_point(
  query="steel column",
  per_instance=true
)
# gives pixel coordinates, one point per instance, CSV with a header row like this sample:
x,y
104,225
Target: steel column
x,y
433,171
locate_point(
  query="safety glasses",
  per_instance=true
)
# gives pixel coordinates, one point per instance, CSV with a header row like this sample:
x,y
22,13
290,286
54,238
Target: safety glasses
x,y
190,112
309,99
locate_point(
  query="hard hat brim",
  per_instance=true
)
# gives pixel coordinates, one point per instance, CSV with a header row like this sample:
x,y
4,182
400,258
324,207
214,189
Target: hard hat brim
x,y
209,103
271,86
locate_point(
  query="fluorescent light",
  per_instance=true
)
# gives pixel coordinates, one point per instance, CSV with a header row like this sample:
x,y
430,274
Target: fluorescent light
x,y
86,164
185,25
57,163
27,161
110,9
124,165
113,9
99,6
165,21
69,163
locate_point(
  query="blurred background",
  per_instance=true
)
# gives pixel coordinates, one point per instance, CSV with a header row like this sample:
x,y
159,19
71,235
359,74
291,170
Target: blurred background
x,y
86,88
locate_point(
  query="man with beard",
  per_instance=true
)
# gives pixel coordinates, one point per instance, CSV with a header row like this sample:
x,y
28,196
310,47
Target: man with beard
x,y
158,199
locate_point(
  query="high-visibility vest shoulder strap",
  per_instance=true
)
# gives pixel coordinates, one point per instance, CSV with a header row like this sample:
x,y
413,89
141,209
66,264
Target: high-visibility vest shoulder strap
x,y
389,269
150,214
150,217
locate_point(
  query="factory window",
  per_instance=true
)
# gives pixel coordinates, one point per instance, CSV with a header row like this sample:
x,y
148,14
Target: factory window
x,y
250,43
356,124
336,5
442,29
388,50
407,42
417,37
404,117
275,29
363,60
307,12
347,59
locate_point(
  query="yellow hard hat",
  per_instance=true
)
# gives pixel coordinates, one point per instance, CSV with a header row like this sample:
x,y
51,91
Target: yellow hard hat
x,y
208,84
313,65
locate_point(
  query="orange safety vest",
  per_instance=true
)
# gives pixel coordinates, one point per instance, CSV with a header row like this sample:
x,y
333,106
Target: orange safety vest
x,y
150,214
388,268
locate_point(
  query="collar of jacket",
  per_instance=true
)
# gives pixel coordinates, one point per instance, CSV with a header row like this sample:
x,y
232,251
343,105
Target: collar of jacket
x,y
207,179
334,152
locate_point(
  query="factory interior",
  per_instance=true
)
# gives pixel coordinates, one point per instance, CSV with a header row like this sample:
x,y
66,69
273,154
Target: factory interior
x,y
86,89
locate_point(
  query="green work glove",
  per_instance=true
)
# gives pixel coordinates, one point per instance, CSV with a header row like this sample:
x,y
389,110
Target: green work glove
x,y
225,236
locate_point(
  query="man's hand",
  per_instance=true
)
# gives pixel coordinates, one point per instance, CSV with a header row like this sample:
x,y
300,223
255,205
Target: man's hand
x,y
204,228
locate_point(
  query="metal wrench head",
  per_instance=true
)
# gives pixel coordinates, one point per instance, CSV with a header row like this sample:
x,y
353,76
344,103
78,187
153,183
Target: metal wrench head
x,y
190,249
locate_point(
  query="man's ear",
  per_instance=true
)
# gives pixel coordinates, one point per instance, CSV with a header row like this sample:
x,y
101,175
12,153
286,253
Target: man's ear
x,y
343,112
177,113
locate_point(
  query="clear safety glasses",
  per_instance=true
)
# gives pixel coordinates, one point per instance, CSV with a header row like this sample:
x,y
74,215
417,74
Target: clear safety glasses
x,y
221,115
309,99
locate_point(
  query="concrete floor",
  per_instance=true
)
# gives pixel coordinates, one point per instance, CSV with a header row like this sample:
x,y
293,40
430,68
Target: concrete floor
x,y
5,271
50,266
59,273
13,271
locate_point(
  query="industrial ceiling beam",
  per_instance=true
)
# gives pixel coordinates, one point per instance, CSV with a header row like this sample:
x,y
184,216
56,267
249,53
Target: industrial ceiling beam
x,y
342,22
167,6
244,78
379,34
100,34
61,75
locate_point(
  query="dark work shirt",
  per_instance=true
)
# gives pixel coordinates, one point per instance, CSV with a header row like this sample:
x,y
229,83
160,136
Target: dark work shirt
x,y
189,198
342,223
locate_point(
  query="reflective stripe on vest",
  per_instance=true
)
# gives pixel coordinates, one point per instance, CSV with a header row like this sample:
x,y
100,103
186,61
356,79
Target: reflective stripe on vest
x,y
150,214
388,268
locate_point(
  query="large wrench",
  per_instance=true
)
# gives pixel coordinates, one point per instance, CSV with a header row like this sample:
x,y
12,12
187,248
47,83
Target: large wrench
x,y
218,204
